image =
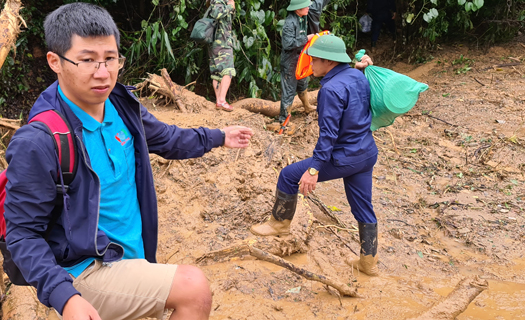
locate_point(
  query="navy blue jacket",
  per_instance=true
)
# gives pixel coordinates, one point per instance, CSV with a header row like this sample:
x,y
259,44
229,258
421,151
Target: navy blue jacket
x,y
343,104
31,192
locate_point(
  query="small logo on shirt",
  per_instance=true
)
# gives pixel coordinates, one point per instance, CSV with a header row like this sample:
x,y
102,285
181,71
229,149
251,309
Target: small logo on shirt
x,y
122,137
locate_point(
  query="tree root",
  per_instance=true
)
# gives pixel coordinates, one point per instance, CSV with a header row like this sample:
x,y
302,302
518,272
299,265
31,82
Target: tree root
x,y
457,301
175,90
10,21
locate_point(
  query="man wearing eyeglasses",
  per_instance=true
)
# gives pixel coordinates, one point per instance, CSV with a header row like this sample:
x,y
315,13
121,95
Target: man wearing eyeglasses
x,y
99,261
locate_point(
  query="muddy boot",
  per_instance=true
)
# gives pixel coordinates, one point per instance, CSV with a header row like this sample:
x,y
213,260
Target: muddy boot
x,y
367,263
304,99
282,215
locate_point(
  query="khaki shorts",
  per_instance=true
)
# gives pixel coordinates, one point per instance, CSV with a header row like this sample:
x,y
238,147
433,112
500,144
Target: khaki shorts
x,y
127,289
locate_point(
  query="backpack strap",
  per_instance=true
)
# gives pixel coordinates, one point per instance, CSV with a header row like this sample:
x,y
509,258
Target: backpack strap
x,y
60,130
64,144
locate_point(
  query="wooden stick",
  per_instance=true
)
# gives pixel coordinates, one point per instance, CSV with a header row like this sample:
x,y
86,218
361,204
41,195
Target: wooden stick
x,y
393,142
325,210
343,288
175,90
457,301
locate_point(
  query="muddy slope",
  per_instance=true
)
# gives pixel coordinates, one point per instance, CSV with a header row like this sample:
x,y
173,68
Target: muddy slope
x,y
448,191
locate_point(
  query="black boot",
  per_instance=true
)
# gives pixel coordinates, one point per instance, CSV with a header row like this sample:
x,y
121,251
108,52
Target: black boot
x,y
367,262
282,215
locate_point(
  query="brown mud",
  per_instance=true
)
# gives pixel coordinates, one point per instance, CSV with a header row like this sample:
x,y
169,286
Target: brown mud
x,y
448,195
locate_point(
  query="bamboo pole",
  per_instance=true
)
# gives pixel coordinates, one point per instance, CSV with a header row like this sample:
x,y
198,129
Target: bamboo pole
x,y
10,20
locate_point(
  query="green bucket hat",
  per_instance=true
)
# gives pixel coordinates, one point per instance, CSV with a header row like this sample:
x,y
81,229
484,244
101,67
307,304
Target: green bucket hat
x,y
298,4
329,47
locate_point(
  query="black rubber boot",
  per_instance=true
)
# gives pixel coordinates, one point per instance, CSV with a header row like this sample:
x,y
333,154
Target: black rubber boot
x,y
282,215
367,262
368,238
284,206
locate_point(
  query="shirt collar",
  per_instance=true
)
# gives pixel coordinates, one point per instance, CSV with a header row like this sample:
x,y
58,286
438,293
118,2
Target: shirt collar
x,y
335,70
88,122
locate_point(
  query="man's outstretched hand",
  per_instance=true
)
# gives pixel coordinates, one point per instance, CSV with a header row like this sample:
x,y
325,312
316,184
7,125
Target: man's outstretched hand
x,y
237,136
77,308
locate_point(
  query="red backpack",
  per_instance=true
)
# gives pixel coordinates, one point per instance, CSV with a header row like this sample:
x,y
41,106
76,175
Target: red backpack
x,y
59,129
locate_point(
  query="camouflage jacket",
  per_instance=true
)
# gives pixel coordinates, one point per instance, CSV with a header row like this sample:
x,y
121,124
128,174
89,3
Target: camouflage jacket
x,y
223,13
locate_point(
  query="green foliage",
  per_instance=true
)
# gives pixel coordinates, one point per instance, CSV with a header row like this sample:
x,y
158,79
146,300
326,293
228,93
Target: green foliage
x,y
18,75
487,20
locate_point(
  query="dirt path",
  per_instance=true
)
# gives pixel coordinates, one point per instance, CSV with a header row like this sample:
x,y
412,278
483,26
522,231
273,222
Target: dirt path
x,y
448,199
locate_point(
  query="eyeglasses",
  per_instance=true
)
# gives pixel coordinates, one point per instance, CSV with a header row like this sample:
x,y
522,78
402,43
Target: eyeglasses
x,y
90,67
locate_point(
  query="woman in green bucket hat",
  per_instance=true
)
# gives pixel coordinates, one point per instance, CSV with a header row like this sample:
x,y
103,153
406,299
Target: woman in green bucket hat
x,y
345,149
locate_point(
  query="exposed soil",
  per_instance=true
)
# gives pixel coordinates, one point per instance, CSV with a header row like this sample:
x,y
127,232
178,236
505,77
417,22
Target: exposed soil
x,y
448,196
448,189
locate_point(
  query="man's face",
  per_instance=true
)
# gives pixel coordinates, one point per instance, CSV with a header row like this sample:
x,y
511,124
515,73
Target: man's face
x,y
320,67
86,90
302,12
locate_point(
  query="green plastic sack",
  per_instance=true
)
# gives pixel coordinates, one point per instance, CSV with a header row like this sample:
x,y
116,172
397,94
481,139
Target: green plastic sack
x,y
391,94
204,29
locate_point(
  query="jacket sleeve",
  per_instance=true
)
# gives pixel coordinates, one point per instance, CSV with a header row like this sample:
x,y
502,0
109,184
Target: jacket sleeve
x,y
329,122
172,142
30,196
291,36
220,9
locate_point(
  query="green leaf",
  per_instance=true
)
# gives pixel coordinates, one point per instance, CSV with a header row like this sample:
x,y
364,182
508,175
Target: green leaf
x,y
468,6
479,3
434,2
168,45
420,254
244,73
426,17
248,41
434,12
461,2
182,6
409,18
155,2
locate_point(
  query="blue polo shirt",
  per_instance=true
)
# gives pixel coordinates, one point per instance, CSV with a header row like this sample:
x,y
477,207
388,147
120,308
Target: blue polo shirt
x,y
111,151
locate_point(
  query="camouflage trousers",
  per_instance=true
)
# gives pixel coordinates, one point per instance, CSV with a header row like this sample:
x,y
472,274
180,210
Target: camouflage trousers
x,y
221,62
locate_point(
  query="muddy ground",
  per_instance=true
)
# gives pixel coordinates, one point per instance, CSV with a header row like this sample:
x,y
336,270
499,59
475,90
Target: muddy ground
x,y
448,195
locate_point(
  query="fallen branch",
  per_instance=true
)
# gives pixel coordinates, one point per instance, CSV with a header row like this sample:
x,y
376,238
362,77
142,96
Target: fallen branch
x,y
9,125
175,90
10,21
457,301
343,288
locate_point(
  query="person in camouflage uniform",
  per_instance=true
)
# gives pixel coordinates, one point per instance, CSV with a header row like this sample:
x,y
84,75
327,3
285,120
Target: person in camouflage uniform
x,y
303,16
220,51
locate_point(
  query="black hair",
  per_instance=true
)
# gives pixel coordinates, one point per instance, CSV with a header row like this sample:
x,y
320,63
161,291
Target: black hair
x,y
80,18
